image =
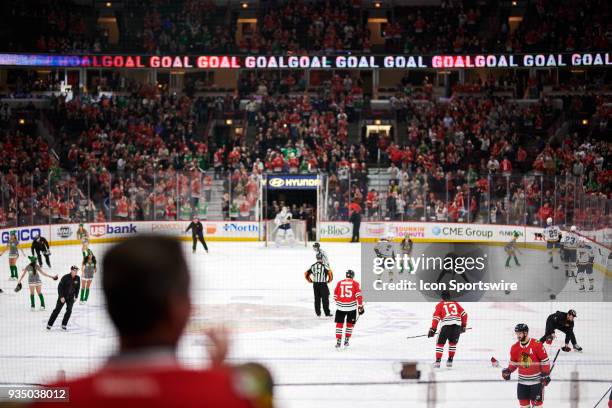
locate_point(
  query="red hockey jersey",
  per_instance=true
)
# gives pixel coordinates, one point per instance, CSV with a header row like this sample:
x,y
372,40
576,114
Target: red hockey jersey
x,y
448,313
137,385
531,360
348,295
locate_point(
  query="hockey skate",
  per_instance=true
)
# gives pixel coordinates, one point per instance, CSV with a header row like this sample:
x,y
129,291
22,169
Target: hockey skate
x,y
42,309
449,363
33,309
346,343
591,287
338,344
64,328
577,348
581,288
436,364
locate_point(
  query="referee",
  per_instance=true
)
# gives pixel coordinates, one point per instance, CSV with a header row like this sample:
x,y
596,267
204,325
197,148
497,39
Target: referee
x,y
320,275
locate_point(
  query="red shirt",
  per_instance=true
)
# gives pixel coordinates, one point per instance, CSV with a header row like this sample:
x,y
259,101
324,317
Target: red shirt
x,y
448,313
531,360
146,385
348,295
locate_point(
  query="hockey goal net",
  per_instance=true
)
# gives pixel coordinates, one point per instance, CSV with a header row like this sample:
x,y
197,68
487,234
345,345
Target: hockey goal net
x,y
298,228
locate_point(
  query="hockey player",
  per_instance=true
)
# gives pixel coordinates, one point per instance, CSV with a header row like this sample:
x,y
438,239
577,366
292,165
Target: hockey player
x,y
406,250
34,271
511,250
564,322
552,235
89,269
41,245
384,249
197,234
530,358
13,248
452,319
348,303
568,248
283,227
317,247
320,275
584,264
83,236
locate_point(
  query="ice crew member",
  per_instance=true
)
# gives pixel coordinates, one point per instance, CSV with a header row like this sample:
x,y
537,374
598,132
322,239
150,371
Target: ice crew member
x,y
67,291
41,245
197,234
320,275
564,322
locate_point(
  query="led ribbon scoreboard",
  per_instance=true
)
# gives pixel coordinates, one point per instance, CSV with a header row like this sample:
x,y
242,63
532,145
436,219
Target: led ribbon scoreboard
x,y
357,61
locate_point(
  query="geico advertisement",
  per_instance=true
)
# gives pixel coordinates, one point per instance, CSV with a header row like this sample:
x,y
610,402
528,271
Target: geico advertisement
x,y
24,234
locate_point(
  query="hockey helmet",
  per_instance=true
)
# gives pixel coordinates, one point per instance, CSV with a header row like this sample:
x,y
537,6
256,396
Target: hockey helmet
x,y
571,312
549,221
407,236
521,327
515,234
32,259
573,228
445,295
316,246
350,274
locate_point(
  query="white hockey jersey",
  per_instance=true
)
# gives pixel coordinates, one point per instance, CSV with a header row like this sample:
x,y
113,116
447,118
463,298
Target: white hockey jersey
x,y
551,233
570,241
585,255
385,249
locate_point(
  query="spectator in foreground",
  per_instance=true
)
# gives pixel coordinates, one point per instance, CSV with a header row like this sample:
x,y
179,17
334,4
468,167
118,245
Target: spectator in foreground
x,y
146,284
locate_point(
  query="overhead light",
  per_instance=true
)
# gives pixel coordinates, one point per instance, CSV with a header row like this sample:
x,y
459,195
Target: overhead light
x,y
377,122
109,4
228,122
21,121
377,4
514,3
245,5
585,122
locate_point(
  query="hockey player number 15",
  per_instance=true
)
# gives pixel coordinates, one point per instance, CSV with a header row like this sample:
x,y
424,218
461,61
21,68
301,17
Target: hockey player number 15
x,y
453,309
346,291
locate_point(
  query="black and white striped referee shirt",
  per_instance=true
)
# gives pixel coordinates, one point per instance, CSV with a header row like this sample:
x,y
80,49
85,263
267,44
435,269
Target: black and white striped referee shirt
x,y
318,271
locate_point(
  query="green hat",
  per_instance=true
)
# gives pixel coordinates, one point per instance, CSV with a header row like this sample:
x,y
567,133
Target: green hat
x,y
13,232
515,234
32,259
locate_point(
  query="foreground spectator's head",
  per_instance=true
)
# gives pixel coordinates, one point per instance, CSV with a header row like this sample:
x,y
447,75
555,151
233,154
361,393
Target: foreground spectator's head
x,y
146,285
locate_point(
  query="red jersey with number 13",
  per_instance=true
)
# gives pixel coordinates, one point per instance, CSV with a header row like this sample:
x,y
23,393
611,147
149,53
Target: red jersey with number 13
x,y
448,313
347,295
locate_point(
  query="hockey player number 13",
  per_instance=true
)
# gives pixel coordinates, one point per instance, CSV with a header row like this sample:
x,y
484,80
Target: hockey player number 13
x,y
346,291
453,309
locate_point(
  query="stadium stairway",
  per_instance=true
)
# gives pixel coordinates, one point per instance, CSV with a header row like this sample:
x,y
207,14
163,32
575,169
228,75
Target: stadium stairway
x,y
378,179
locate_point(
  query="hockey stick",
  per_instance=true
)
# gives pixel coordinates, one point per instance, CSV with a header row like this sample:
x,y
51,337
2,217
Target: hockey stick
x,y
424,335
603,396
552,366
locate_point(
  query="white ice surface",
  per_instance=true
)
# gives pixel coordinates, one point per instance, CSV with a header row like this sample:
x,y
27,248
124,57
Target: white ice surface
x,y
262,295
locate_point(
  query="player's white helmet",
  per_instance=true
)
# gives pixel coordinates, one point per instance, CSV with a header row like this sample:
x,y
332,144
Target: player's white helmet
x,y
407,236
573,228
549,221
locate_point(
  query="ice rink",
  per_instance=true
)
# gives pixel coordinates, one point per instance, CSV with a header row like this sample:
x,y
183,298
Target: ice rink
x,y
261,294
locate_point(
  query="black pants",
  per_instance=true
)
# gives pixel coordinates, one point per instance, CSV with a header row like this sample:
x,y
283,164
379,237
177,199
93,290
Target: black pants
x,y
46,254
321,295
356,226
550,329
200,238
58,308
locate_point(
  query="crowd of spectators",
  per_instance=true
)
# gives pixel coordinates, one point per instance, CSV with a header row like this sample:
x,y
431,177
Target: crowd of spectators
x,y
51,27
485,159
